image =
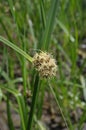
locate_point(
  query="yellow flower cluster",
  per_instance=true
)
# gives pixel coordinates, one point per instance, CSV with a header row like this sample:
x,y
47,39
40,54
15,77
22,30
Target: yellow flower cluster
x,y
45,64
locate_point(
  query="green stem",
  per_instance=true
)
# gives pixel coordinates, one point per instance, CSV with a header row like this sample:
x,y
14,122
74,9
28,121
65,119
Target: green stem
x,y
34,99
24,69
41,99
10,122
58,106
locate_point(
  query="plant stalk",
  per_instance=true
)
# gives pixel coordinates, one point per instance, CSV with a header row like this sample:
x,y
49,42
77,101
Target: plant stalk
x,y
34,99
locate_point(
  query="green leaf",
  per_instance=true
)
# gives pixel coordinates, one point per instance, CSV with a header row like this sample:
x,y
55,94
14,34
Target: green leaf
x,y
62,26
21,104
10,122
22,110
17,49
49,24
52,91
43,13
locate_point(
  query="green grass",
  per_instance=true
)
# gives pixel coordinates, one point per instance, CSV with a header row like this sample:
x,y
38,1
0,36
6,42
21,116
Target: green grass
x,y
55,26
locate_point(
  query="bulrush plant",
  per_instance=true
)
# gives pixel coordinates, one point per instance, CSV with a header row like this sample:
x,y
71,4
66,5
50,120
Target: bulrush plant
x,y
53,26
43,62
46,66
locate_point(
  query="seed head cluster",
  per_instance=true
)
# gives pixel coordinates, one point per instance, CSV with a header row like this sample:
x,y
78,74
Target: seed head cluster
x,y
45,64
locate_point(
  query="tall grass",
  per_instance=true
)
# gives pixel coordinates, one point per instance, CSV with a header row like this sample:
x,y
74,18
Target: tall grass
x,y
54,26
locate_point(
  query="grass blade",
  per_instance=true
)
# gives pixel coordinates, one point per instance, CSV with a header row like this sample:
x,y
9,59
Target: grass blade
x,y
43,13
17,49
10,122
58,105
22,110
21,104
62,26
49,24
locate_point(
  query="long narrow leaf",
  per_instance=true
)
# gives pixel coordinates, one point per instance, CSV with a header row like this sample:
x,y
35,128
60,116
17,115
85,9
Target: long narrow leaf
x,y
49,24
22,109
10,122
21,104
43,13
17,49
62,26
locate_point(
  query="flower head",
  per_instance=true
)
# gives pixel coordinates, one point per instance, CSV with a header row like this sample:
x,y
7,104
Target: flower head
x,y
45,64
